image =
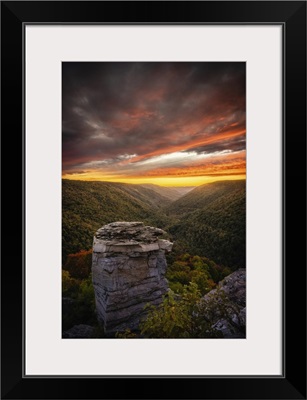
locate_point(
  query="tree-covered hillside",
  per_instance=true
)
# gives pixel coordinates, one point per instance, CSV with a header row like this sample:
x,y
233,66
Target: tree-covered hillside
x,y
208,221
207,226
211,221
86,206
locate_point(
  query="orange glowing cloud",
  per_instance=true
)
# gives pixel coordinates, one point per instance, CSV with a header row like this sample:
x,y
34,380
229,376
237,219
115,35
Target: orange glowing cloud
x,y
162,122
193,143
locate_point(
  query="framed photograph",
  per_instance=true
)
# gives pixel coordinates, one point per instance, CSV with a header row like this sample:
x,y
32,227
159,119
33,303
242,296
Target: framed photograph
x,y
163,149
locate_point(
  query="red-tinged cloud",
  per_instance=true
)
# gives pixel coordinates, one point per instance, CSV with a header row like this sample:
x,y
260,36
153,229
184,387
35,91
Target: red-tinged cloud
x,y
137,119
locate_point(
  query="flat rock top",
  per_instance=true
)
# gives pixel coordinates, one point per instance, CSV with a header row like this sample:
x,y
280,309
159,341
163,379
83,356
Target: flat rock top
x,y
128,232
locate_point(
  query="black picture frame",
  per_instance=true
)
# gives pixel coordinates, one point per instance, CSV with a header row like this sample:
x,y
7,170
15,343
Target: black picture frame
x,y
292,16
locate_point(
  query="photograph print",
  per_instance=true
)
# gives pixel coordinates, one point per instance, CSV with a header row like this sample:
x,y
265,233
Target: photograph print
x,y
153,200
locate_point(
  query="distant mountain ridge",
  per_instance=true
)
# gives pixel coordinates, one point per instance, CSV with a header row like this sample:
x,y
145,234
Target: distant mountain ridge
x,y
171,193
204,195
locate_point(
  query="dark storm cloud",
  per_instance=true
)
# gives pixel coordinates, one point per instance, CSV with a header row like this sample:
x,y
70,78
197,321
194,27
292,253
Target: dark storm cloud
x,y
235,144
113,110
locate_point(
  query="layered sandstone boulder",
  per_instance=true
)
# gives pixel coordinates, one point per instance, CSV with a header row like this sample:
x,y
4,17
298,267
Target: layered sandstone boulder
x,y
128,272
231,294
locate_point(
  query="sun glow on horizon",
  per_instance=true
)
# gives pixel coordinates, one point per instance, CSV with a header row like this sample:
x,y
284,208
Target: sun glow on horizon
x,y
160,181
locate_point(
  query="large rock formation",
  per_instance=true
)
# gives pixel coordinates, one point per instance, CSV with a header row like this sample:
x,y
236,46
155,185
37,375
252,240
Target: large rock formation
x,y
128,271
230,300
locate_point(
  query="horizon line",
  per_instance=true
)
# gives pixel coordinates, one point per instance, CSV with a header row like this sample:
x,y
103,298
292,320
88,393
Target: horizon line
x,y
213,180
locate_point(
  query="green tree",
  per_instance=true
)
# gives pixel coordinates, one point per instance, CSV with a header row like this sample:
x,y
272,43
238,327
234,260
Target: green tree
x,y
174,318
189,315
187,268
70,286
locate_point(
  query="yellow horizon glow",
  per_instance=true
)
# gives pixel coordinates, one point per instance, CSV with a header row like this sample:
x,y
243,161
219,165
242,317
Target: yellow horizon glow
x,y
160,181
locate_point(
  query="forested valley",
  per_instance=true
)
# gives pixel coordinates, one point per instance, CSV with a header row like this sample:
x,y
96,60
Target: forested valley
x,y
205,223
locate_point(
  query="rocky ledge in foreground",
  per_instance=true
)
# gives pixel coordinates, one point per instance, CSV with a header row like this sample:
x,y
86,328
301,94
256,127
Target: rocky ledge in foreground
x,y
128,271
79,331
230,300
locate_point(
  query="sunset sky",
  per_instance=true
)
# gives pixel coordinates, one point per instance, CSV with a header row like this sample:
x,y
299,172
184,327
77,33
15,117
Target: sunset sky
x,y
171,124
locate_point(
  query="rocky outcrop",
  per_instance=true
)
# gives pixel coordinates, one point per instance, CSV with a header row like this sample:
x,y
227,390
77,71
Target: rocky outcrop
x,y
128,270
229,299
79,331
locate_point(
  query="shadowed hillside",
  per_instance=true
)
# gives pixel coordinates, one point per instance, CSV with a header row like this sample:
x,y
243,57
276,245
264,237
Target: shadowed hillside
x,y
86,206
211,221
208,221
